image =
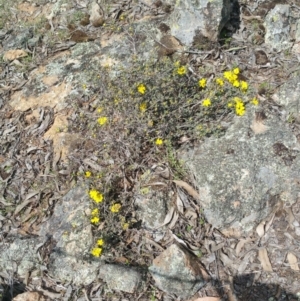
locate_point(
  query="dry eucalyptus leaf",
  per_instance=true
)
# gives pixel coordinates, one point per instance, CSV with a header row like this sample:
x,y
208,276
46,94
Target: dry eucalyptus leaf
x,y
190,214
264,259
269,223
190,190
174,220
207,299
29,296
261,229
179,204
239,246
12,54
182,242
226,260
291,216
293,261
168,217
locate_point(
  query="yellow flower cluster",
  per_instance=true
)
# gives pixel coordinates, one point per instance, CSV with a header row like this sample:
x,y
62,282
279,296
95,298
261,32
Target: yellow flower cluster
x,y
239,106
97,251
232,77
181,70
141,88
96,196
115,208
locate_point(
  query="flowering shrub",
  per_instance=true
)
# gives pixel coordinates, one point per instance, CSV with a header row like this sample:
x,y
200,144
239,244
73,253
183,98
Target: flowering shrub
x,y
183,103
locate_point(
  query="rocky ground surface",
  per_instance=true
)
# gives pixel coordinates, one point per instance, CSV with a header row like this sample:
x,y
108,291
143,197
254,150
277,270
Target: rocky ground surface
x,y
208,217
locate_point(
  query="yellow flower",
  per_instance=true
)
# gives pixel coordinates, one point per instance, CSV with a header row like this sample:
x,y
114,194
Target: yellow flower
x,y
125,226
244,86
87,174
236,70
95,212
96,196
255,101
220,81
99,110
230,76
102,120
95,220
177,64
159,141
206,102
141,88
202,83
227,75
115,208
181,70
236,83
237,100
230,105
240,108
96,252
143,107
100,242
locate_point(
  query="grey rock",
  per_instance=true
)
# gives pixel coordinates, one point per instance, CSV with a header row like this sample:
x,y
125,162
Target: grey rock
x,y
71,231
243,175
152,209
204,16
277,24
288,95
121,278
34,41
18,39
19,257
177,271
152,201
297,32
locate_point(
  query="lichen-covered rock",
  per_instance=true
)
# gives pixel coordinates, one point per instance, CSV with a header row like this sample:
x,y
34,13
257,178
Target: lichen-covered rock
x,y
277,24
121,278
288,95
243,175
19,257
72,236
152,202
151,209
177,271
205,16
